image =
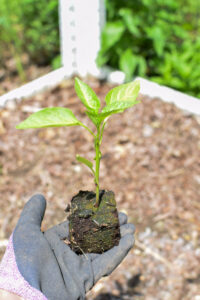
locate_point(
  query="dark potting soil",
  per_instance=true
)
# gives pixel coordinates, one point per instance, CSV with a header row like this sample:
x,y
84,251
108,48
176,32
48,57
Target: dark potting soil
x,y
93,229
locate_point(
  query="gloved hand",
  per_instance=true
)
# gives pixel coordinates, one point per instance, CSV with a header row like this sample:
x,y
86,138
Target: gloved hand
x,y
39,265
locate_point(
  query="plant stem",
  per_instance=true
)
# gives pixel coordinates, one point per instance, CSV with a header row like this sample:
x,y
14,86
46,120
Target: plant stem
x,y
90,131
97,158
102,129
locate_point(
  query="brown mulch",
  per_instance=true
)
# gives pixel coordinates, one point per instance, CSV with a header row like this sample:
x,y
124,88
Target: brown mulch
x,y
150,160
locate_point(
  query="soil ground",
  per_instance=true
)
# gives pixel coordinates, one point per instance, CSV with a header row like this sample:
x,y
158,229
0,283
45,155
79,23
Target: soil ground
x,y
150,159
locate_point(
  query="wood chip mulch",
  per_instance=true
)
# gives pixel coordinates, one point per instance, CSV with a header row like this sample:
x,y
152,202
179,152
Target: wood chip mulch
x,y
150,159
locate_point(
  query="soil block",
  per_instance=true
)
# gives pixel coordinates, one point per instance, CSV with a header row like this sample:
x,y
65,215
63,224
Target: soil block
x,y
93,229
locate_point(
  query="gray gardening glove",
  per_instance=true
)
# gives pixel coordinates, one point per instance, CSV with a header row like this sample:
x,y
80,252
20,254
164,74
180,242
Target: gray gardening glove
x,y
48,264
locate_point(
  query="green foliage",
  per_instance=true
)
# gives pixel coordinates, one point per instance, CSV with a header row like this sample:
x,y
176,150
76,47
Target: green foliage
x,y
50,117
10,35
120,98
87,96
30,26
40,29
124,92
116,108
158,39
86,162
56,62
117,100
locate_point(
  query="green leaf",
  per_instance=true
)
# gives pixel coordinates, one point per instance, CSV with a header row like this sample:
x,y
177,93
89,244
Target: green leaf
x,y
102,58
85,161
126,92
56,62
142,66
111,34
87,95
158,37
131,20
94,118
117,107
128,63
50,117
120,98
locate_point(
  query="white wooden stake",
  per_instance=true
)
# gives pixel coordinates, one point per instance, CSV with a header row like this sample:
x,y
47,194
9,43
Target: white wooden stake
x,y
80,30
90,17
67,35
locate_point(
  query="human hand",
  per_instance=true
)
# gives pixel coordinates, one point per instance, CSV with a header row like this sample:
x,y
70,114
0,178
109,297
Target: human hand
x,y
40,265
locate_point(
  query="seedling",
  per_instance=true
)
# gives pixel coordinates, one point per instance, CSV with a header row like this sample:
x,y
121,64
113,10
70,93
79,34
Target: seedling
x,y
117,100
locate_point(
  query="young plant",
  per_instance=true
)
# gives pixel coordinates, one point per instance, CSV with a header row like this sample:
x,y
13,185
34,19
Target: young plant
x,y
117,100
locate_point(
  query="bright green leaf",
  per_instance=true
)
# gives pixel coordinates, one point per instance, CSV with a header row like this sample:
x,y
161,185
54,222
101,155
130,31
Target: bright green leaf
x,y
102,58
131,20
87,95
128,63
142,66
85,161
126,92
158,37
94,118
111,34
117,107
50,117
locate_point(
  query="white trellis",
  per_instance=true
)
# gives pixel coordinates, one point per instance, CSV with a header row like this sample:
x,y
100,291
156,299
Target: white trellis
x,y
80,28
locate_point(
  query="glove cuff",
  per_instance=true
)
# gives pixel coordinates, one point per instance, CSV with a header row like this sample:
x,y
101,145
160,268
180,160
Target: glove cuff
x,y
11,280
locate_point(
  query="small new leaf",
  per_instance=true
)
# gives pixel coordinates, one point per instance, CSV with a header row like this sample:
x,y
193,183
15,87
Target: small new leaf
x,y
126,92
119,106
87,96
86,162
120,98
50,117
115,108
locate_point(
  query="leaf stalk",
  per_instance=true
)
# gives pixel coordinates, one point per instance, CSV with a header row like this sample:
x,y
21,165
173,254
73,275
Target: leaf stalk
x,y
88,129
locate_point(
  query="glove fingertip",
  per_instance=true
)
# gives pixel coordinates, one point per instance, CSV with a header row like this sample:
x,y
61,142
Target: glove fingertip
x,y
127,229
34,210
39,198
122,218
127,242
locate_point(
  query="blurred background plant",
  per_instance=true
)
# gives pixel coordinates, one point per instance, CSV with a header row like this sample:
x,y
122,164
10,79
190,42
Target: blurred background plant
x,y
29,26
158,39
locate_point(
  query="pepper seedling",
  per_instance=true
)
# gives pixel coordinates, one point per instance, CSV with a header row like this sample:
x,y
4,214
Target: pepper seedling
x,y
117,100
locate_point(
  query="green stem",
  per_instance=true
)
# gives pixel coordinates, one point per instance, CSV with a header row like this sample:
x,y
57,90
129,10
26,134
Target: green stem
x,y
97,158
102,129
88,129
